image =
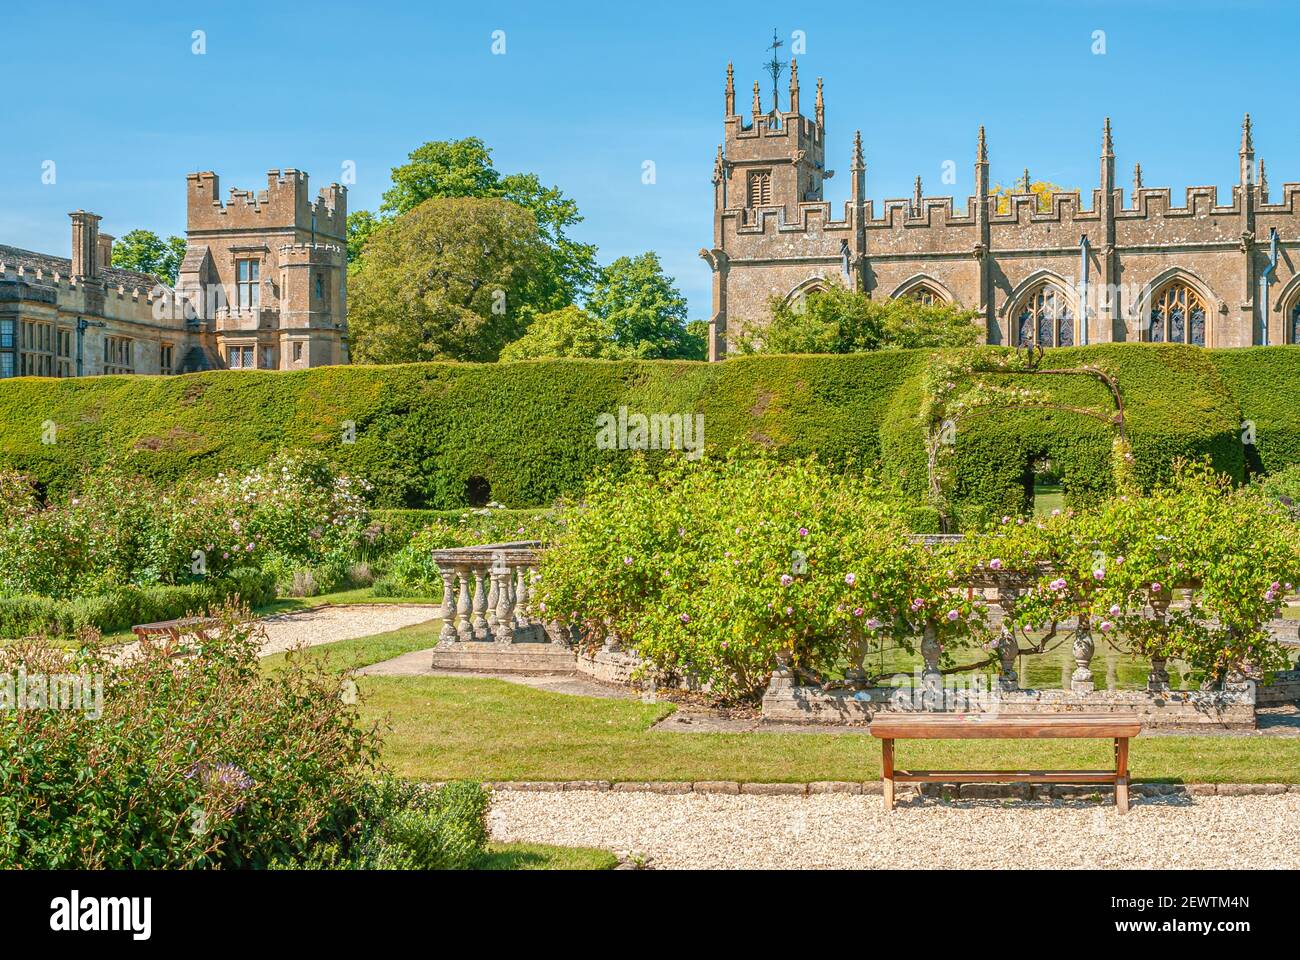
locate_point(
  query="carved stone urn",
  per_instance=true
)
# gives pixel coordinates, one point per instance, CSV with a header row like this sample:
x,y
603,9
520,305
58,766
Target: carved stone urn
x,y
1082,651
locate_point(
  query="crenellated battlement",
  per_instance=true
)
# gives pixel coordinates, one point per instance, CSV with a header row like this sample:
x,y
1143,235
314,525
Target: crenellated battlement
x,y
1234,259
286,203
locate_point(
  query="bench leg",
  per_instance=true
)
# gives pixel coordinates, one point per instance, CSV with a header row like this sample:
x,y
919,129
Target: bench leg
x,y
1121,774
887,772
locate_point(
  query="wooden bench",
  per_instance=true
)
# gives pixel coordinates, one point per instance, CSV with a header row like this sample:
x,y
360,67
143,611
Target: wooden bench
x,y
994,726
171,631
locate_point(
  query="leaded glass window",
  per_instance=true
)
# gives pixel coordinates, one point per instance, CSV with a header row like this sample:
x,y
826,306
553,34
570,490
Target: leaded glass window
x,y
927,295
1178,316
1295,323
1045,319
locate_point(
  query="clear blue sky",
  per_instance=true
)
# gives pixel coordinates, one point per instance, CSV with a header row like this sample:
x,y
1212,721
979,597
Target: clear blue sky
x,y
588,91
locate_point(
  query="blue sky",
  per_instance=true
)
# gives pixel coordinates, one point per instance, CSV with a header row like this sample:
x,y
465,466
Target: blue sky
x,y
586,92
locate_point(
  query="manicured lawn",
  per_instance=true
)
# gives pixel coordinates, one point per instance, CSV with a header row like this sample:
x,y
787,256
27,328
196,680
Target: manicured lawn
x,y
540,856
444,728
363,651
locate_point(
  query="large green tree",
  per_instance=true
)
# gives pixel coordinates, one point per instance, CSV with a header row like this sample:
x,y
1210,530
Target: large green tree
x,y
634,312
645,313
146,252
839,320
463,168
447,280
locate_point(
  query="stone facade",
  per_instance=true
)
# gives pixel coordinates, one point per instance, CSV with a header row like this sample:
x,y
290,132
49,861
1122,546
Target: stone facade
x,y
1204,272
277,264
63,317
262,285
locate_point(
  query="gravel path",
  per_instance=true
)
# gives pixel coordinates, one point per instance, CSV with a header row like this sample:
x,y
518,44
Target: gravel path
x,y
837,831
331,623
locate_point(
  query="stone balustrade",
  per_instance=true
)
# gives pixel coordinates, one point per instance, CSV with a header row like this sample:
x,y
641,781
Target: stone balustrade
x,y
491,623
486,594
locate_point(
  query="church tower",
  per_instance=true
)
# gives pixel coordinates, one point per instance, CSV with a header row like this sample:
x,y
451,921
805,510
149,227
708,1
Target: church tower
x,y
770,162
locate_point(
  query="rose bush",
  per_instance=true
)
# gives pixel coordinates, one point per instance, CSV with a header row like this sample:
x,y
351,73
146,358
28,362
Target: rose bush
x,y
121,530
1193,571
711,570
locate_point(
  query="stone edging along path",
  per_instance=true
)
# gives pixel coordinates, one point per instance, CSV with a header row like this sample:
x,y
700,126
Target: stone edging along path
x,y
965,791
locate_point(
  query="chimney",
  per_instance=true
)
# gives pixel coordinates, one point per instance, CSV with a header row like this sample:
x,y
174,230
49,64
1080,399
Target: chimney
x,y
105,252
85,244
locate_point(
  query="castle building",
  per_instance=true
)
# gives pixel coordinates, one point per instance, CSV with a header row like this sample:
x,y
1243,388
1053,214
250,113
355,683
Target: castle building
x,y
262,285
1059,274
78,316
266,273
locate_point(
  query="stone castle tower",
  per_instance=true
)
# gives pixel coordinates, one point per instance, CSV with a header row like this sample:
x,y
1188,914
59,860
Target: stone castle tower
x,y
1049,273
266,273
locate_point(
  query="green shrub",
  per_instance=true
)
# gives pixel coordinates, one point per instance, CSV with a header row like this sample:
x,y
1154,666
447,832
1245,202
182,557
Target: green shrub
x,y
1232,555
711,570
206,761
445,829
123,607
1263,381
1285,486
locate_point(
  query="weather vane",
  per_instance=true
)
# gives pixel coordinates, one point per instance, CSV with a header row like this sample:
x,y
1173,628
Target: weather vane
x,y
775,67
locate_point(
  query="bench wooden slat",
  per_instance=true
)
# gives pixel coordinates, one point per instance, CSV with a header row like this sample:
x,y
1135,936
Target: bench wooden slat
x,y
1005,776
971,726
994,726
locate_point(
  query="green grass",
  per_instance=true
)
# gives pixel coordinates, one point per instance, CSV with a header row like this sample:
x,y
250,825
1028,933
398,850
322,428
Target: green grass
x,y
1048,497
346,655
445,728
540,856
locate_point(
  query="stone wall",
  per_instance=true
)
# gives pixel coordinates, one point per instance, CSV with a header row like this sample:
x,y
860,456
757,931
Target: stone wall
x,y
788,702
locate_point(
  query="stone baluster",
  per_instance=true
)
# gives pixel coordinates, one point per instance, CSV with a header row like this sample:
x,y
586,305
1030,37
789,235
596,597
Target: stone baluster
x,y
505,621
1006,644
464,629
479,623
1083,650
1158,678
448,632
931,678
492,598
1008,649
522,612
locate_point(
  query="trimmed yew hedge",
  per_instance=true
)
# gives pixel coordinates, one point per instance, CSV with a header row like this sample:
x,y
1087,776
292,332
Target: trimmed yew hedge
x,y
442,435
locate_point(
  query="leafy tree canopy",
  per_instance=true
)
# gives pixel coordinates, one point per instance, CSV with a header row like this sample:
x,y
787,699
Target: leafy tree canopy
x,y
451,279
146,252
452,169
645,313
570,332
839,320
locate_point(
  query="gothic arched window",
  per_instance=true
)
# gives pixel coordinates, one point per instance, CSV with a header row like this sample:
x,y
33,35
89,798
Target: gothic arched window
x,y
927,295
1045,319
1178,315
1295,322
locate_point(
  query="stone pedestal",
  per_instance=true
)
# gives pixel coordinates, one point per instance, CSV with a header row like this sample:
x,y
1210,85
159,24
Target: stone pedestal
x,y
1082,651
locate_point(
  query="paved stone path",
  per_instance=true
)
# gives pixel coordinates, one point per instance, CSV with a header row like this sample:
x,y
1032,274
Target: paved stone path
x,y
836,831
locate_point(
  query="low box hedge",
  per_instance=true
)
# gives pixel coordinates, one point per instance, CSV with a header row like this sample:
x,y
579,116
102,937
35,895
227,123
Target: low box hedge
x,y
23,616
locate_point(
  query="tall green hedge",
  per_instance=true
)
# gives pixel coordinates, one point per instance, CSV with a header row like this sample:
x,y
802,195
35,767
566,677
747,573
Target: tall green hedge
x,y
1265,382
431,435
